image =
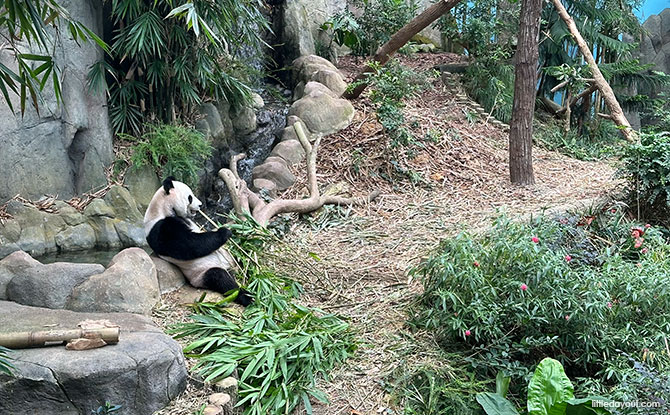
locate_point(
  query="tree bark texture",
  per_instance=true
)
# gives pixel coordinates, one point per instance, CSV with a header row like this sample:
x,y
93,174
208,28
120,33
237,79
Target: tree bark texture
x,y
400,38
603,86
525,73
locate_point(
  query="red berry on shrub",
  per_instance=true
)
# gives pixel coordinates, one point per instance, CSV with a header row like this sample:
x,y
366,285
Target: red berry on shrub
x,y
609,305
475,263
524,287
568,258
567,318
647,226
635,233
644,250
535,239
467,332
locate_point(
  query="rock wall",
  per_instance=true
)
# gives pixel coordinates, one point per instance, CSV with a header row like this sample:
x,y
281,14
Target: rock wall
x,y
655,45
65,148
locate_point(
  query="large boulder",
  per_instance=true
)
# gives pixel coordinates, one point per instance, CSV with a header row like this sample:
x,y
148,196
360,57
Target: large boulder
x,y
129,284
142,373
322,113
169,275
291,151
44,285
276,172
64,149
12,265
142,183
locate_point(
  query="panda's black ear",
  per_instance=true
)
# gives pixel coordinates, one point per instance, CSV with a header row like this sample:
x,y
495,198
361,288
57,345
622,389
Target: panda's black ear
x,y
167,185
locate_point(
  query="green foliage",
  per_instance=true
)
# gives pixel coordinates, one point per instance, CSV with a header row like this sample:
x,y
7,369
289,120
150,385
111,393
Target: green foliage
x,y
601,141
567,288
374,26
278,347
646,169
167,55
5,366
172,150
36,23
550,392
490,81
658,114
106,409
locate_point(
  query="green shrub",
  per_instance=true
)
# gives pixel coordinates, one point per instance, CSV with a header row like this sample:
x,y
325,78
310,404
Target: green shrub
x,y
580,289
602,141
646,169
172,150
378,21
278,347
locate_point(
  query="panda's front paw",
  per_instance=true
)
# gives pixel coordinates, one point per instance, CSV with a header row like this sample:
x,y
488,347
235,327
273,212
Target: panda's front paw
x,y
224,234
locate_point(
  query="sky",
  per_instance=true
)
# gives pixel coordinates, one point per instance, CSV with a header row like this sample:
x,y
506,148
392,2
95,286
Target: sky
x,y
651,7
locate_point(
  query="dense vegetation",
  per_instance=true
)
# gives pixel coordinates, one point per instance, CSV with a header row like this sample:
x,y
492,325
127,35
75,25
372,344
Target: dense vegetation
x,y
278,347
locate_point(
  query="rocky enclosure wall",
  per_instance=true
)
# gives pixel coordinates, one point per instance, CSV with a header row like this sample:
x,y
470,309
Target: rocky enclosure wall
x,y
64,150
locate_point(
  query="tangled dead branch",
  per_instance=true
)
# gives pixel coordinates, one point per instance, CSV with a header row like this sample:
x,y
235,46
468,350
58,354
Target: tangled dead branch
x,y
247,202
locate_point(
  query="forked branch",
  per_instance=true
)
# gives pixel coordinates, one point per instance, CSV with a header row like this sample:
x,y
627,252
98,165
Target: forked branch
x,y
247,202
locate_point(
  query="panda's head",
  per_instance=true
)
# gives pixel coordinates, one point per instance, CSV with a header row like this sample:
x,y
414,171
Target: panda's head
x,y
174,198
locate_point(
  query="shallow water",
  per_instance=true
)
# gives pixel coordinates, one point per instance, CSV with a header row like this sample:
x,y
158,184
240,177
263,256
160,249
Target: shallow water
x,y
102,257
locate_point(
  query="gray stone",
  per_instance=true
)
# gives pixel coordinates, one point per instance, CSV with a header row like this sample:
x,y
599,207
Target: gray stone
x,y
267,185
142,183
257,101
10,266
329,78
10,233
169,275
143,372
314,62
275,159
69,214
213,119
129,284
105,232
77,238
130,234
296,31
292,119
244,120
275,172
47,285
33,240
98,207
124,206
64,149
289,150
322,113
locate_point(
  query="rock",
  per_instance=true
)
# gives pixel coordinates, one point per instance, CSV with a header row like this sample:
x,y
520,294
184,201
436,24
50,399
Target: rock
x,y
105,232
275,172
219,399
46,285
331,79
292,119
315,62
267,185
33,240
130,234
244,120
213,119
275,159
14,264
313,86
228,386
257,101
9,235
169,276
143,372
65,148
289,150
188,294
69,214
290,134
98,207
296,32
212,410
322,113
129,284
123,204
77,238
142,183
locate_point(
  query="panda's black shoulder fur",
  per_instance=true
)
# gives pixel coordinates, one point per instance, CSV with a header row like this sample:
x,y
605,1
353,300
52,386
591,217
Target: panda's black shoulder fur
x,y
172,237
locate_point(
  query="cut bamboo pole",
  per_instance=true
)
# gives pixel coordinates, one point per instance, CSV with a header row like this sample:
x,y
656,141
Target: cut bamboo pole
x,y
21,340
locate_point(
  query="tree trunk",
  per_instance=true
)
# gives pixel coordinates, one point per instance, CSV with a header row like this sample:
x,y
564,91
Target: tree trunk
x,y
401,37
606,91
521,126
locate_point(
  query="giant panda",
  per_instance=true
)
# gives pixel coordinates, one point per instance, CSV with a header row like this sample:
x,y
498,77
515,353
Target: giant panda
x,y
176,238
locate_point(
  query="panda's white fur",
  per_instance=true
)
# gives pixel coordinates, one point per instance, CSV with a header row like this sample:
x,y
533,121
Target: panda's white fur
x,y
175,238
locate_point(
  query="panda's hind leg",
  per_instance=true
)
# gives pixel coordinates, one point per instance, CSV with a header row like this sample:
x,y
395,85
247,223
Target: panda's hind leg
x,y
220,280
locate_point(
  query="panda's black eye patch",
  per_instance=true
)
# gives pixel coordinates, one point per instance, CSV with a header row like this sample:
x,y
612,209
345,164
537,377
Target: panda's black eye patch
x,y
190,199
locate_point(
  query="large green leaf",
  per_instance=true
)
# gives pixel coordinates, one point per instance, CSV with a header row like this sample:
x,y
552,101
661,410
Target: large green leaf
x,y
549,389
584,406
495,404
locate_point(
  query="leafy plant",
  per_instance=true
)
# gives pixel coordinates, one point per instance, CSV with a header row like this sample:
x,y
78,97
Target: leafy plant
x,y
167,55
550,392
278,346
172,150
379,19
646,169
568,287
602,142
5,366
106,409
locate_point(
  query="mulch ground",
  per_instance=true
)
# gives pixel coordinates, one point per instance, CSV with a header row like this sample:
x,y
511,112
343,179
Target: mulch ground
x,y
461,182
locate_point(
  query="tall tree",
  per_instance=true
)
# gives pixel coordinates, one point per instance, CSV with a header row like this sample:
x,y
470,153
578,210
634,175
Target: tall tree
x,y
521,126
